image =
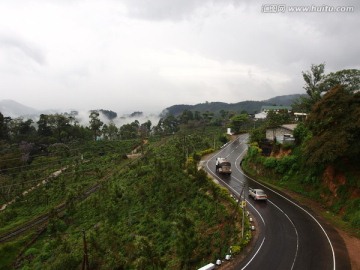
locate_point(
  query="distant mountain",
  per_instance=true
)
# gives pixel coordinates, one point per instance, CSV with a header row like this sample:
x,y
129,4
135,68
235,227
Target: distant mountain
x,y
248,106
286,100
14,109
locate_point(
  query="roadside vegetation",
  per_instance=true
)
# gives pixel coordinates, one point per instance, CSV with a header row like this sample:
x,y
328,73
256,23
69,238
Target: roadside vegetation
x,y
323,163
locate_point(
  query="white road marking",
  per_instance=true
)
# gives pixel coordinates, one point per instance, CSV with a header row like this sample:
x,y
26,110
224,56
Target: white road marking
x,y
321,227
253,257
296,232
242,182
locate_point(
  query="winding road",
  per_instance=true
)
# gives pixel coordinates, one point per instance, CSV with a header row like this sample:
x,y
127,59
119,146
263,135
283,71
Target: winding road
x,y
290,236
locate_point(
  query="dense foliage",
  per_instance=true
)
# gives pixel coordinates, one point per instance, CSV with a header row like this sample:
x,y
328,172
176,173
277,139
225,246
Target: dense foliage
x,y
149,215
335,126
323,161
157,211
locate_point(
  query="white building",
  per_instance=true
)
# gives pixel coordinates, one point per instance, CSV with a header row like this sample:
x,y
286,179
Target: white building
x,y
283,133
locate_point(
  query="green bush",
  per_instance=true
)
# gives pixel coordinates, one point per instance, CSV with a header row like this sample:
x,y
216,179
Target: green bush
x,y
270,162
31,251
352,210
8,215
206,152
355,219
253,152
223,138
284,164
65,261
235,249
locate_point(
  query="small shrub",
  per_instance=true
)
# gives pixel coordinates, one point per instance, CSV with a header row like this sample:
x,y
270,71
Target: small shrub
x,y
66,261
235,249
270,162
355,220
31,251
223,139
8,215
285,163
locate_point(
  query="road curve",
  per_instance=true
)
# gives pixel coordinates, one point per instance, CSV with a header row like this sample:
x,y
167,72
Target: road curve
x,y
290,235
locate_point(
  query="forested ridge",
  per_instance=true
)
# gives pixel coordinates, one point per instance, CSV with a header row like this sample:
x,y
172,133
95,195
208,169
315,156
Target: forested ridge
x,y
249,106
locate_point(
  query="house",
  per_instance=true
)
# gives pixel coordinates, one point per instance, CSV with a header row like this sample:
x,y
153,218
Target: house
x,y
260,115
300,116
282,134
266,109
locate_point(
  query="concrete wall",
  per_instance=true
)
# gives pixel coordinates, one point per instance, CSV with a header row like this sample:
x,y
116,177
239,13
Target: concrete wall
x,y
278,132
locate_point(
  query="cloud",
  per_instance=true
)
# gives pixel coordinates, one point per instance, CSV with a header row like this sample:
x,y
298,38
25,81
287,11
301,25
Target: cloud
x,y
83,118
171,10
14,44
142,55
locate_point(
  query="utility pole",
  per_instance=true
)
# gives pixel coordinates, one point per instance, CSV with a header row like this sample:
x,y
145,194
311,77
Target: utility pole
x,y
85,262
243,218
243,204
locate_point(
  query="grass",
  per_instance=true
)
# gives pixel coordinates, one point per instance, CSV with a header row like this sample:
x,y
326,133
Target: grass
x,y
9,251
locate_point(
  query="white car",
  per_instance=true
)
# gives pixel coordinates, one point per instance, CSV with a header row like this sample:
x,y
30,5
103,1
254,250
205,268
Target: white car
x,y
257,194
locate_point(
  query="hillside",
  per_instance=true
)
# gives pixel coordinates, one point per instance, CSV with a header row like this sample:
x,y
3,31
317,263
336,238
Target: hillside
x,y
146,213
14,109
248,106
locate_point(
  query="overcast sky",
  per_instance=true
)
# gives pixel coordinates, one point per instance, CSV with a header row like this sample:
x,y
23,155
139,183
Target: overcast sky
x,y
128,55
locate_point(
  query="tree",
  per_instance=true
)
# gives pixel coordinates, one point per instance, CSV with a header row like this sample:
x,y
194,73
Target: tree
x,y
207,116
26,128
317,83
44,128
129,131
301,133
313,87
313,81
197,116
95,123
237,121
348,78
20,129
335,125
258,135
105,131
4,127
186,116
59,125
167,125
275,119
110,131
145,128
224,113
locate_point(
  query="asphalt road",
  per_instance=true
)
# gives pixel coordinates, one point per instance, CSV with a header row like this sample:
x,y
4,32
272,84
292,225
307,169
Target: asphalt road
x,y
291,236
